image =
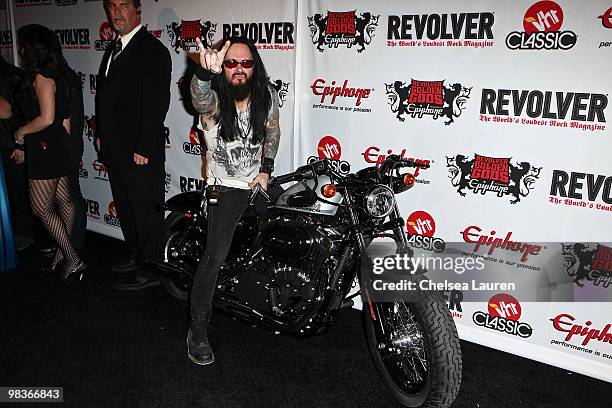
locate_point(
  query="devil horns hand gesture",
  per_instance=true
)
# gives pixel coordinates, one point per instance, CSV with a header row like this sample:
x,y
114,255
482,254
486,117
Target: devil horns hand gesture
x,y
211,59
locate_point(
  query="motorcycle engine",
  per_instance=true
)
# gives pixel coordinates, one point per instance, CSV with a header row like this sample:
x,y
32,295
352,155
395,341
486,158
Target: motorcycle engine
x,y
292,269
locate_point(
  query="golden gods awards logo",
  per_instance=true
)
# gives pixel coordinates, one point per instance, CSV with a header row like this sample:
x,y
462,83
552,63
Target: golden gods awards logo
x,y
183,35
342,28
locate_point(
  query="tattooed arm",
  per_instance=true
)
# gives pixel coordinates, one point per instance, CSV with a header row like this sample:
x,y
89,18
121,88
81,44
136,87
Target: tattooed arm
x,y
204,99
270,144
205,102
273,133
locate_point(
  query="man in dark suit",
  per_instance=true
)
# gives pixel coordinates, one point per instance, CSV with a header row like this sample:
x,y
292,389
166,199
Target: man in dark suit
x,y
132,100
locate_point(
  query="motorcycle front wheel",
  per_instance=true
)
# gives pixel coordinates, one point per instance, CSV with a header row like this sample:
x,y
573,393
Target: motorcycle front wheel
x,y
180,246
416,350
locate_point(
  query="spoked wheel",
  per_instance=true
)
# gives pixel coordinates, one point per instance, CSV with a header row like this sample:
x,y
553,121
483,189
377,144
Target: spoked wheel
x,y
416,350
182,244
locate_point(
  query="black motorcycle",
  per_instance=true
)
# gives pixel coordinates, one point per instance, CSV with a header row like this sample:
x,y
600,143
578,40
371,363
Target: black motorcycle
x,y
292,266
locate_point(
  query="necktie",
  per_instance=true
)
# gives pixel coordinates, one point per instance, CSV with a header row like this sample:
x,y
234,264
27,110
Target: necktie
x,y
116,49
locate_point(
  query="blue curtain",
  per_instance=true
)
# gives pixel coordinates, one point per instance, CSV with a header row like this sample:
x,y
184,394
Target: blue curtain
x,y
7,248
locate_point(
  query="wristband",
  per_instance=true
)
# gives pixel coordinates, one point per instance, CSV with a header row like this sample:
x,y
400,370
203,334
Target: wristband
x,y
203,74
267,166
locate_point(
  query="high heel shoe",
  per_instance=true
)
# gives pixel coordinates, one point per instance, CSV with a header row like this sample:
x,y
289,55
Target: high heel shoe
x,y
71,275
52,270
54,266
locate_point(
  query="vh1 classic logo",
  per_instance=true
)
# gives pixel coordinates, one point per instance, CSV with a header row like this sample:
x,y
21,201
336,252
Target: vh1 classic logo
x,y
542,29
585,190
111,218
182,35
502,315
194,145
329,148
588,261
83,173
421,228
107,36
427,98
342,28
441,30
484,174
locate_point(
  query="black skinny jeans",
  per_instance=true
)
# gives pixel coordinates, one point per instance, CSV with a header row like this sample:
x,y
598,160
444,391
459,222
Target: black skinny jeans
x,y
222,221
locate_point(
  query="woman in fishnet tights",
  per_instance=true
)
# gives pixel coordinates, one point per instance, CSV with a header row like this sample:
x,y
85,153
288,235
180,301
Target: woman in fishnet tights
x,y
44,99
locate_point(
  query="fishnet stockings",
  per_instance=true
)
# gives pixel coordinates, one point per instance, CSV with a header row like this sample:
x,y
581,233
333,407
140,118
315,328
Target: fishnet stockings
x,y
51,202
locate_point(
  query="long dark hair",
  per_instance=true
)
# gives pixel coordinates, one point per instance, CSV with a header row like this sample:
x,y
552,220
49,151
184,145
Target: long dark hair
x,y
40,50
260,98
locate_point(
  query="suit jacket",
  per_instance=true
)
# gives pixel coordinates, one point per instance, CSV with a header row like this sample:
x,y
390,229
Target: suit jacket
x,y
132,102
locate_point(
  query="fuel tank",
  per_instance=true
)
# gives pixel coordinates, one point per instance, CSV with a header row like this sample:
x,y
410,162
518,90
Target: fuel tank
x,y
306,197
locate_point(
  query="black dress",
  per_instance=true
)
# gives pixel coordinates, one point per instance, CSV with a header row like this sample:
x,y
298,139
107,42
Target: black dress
x,y
48,152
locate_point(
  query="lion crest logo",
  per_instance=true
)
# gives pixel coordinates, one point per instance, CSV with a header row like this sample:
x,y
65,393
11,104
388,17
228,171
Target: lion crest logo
x,y
590,261
342,28
484,174
427,98
90,127
281,88
183,35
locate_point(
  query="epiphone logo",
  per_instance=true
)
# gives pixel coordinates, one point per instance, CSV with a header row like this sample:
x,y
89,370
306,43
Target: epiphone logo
x,y
472,235
320,88
565,323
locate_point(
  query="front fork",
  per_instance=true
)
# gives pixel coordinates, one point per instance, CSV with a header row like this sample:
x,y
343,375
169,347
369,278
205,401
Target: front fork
x,y
402,245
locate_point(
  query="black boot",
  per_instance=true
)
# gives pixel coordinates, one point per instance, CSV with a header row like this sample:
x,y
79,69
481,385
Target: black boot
x,y
198,347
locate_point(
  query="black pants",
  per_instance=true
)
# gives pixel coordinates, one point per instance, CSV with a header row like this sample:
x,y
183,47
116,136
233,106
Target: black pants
x,y
80,215
222,222
19,201
136,193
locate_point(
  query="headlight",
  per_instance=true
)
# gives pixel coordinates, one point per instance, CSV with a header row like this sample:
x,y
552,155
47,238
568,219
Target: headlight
x,y
379,201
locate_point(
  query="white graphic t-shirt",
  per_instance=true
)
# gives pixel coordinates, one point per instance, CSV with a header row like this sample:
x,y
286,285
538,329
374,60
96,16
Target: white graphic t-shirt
x,y
232,164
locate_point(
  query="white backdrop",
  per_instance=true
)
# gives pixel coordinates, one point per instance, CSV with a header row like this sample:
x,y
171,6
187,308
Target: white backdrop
x,y
517,139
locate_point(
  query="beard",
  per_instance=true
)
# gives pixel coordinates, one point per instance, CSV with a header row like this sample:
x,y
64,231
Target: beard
x,y
242,91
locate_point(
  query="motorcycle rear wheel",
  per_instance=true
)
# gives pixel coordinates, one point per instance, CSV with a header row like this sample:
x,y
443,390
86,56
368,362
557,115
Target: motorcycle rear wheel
x,y
416,352
174,226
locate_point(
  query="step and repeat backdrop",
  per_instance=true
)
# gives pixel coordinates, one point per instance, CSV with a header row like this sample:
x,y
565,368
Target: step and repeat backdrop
x,y
507,101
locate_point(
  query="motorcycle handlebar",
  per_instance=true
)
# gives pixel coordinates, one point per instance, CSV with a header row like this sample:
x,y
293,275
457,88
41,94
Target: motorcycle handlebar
x,y
303,172
284,178
412,163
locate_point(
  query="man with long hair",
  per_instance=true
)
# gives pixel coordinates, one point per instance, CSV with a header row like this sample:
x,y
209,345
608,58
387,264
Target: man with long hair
x,y
239,114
